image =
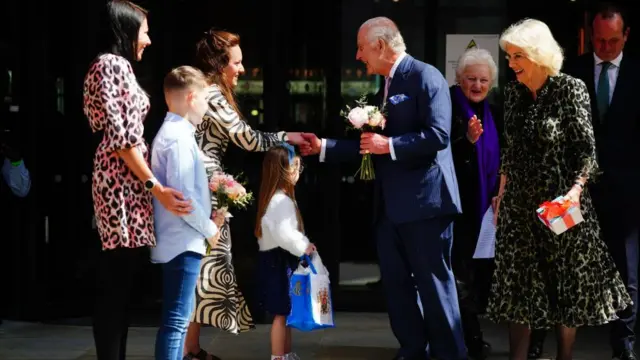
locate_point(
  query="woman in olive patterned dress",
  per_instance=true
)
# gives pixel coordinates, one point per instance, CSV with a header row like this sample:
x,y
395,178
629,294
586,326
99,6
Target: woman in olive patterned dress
x,y
219,302
543,280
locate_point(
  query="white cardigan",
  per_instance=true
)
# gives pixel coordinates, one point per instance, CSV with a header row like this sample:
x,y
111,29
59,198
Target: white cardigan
x,y
280,226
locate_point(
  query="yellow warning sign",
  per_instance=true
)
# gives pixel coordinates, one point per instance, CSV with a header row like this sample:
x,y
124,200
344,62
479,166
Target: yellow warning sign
x,y
472,44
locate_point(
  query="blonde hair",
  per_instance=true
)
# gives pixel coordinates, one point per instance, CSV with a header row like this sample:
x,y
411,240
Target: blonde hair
x,y
182,78
535,38
476,56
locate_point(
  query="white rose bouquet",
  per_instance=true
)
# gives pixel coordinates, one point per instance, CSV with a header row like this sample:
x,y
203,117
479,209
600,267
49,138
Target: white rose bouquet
x,y
365,118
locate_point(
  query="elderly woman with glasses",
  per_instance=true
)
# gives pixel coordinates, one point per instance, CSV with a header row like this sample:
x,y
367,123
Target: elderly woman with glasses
x,y
543,280
475,143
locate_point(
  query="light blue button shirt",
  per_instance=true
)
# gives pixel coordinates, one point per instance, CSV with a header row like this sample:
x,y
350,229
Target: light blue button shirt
x,y
176,162
17,177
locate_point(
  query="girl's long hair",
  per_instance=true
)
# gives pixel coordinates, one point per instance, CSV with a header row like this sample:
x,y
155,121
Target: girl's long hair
x,y
275,176
212,56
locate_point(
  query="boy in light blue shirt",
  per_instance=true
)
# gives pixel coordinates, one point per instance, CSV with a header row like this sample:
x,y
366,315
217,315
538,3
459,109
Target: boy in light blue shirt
x,y
176,162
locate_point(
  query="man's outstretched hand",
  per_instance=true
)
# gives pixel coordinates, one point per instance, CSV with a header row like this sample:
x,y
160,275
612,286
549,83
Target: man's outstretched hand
x,y
312,145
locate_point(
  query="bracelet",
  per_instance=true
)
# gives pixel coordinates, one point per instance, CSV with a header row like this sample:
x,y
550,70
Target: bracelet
x,y
581,185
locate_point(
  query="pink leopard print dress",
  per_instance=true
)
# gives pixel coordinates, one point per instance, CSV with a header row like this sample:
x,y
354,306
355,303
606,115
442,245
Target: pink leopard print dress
x,y
116,106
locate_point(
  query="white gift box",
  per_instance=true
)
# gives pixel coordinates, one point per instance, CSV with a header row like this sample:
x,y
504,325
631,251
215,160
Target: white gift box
x,y
561,223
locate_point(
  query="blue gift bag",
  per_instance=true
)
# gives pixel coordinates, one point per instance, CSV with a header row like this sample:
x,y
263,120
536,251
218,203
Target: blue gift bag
x,y
310,293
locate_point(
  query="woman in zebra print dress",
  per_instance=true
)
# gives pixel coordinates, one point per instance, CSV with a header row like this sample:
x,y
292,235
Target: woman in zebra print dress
x,y
219,302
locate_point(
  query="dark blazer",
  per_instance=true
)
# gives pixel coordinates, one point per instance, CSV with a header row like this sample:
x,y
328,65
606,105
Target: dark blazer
x,y
617,135
421,182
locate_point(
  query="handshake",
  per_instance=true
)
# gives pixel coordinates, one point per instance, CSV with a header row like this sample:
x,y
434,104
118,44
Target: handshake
x,y
310,144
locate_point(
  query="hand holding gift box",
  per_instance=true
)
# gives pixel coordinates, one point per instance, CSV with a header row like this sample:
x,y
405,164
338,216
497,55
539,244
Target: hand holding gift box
x,y
560,214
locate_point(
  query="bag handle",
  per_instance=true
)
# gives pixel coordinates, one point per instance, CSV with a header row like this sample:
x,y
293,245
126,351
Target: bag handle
x,y
308,259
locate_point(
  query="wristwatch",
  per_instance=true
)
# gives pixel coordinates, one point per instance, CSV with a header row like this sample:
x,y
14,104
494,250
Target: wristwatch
x,y
149,184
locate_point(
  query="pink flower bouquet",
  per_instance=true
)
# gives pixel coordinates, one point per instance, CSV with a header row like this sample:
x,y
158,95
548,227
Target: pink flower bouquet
x,y
229,192
365,118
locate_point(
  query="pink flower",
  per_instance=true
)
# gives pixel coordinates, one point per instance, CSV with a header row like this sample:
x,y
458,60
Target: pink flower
x,y
358,117
217,180
236,191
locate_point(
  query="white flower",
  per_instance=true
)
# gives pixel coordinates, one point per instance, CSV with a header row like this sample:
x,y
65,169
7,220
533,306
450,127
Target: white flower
x,y
358,117
370,109
376,119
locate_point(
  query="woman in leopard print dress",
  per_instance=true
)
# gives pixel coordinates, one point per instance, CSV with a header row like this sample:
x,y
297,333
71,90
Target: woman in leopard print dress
x,y
219,301
116,107
543,280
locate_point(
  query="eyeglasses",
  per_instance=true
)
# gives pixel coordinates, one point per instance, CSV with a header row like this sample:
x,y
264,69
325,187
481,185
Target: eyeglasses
x,y
300,168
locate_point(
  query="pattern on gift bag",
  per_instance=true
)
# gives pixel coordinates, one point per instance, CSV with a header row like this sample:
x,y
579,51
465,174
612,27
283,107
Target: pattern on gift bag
x,y
324,300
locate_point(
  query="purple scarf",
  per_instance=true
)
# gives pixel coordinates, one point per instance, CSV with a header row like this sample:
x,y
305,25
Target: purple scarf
x,y
487,150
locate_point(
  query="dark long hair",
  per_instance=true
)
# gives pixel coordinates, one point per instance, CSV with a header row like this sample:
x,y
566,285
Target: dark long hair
x,y
212,56
275,176
119,28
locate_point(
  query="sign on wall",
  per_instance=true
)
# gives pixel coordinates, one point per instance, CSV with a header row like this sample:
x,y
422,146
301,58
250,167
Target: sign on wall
x,y
457,44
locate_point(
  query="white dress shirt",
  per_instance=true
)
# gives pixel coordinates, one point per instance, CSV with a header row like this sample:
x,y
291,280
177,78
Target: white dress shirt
x,y
384,100
613,71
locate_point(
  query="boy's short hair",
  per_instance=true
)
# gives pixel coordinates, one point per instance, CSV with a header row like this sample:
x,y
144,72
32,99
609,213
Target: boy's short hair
x,y
184,77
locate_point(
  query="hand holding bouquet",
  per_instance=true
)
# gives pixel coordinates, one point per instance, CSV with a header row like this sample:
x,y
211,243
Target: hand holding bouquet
x,y
365,118
230,193
218,218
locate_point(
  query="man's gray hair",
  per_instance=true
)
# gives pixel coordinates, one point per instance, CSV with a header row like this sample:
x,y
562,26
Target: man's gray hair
x,y
382,28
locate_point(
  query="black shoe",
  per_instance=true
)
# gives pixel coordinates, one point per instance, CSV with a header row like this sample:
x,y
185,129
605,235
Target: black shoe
x,y
536,344
535,351
478,349
626,355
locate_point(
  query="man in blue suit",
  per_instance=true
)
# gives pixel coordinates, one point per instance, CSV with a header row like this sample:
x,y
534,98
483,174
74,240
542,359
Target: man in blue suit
x,y
416,194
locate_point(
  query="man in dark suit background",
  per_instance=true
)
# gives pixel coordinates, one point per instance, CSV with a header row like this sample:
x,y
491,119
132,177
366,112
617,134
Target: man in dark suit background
x,y
416,194
611,77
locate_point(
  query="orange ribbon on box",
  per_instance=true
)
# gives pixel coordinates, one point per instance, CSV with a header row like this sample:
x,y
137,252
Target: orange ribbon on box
x,y
554,209
560,214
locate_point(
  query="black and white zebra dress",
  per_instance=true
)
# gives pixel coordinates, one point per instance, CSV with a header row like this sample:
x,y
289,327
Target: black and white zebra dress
x,y
219,302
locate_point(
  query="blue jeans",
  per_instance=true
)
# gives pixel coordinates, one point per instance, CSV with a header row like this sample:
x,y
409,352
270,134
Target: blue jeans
x,y
179,277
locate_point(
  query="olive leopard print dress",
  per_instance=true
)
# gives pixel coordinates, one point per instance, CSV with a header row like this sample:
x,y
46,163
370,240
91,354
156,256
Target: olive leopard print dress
x,y
542,279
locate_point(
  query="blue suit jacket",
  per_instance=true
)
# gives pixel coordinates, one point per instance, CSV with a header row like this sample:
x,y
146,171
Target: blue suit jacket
x,y
421,182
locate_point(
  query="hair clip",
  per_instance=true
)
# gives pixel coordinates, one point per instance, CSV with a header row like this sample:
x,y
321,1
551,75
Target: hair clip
x,y
291,151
